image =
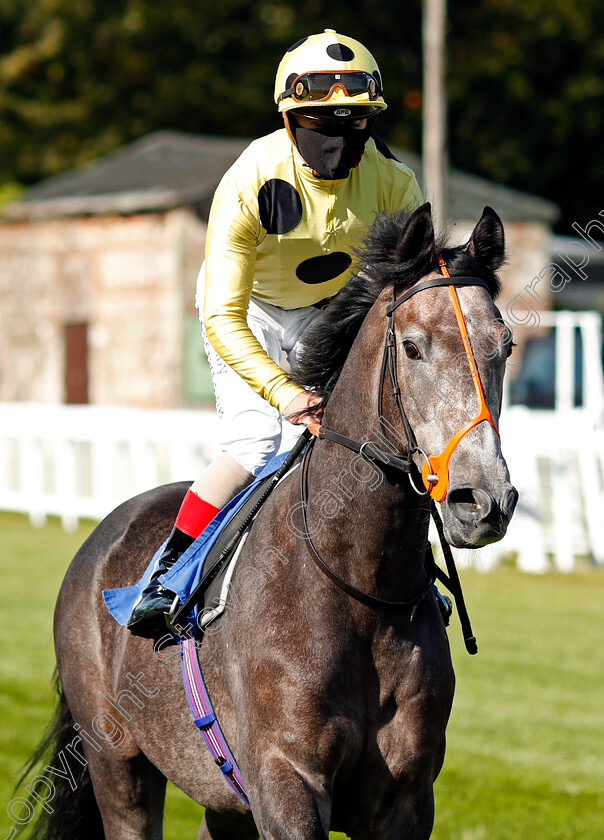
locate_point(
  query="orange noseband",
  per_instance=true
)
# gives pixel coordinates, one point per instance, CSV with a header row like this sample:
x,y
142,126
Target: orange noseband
x,y
435,472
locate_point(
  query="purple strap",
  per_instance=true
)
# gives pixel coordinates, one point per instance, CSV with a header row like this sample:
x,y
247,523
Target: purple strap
x,y
205,719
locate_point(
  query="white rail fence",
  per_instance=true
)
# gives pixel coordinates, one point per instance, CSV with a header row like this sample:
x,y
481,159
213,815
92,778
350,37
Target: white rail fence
x,y
82,461
556,461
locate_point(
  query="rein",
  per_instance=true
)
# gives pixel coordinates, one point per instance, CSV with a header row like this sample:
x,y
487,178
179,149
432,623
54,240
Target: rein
x,y
364,597
435,469
450,580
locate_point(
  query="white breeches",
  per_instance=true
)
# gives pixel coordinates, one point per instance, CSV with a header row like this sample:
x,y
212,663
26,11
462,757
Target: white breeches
x,y
251,430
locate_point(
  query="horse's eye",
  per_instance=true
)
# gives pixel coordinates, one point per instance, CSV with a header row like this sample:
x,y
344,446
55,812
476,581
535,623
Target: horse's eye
x,y
510,348
411,350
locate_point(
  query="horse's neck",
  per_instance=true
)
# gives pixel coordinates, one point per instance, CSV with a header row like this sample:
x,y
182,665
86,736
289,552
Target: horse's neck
x,y
381,526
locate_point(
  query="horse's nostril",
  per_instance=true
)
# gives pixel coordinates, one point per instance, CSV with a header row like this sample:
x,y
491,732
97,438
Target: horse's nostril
x,y
471,505
509,502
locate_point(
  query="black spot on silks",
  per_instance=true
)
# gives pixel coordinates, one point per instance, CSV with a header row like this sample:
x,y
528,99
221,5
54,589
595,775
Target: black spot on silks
x,y
323,268
340,52
297,44
279,205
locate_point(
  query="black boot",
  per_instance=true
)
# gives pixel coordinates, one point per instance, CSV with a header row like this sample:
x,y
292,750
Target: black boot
x,y
148,618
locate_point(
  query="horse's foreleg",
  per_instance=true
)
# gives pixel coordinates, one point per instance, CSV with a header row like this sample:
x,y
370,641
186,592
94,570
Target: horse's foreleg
x,y
130,794
216,826
289,804
412,818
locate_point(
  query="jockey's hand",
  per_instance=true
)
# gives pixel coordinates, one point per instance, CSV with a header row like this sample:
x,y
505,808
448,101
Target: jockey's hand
x,y
298,404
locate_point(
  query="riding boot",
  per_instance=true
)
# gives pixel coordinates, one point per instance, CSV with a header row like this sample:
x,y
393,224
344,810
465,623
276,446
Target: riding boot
x,y
445,605
149,614
148,618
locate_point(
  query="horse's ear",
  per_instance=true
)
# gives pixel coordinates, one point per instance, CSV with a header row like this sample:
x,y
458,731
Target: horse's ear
x,y
487,242
417,238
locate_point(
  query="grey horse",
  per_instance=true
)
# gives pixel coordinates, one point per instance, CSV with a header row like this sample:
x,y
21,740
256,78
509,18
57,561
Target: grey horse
x,y
334,709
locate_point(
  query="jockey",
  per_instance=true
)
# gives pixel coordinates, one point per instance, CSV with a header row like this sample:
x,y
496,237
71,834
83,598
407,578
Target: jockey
x,y
283,223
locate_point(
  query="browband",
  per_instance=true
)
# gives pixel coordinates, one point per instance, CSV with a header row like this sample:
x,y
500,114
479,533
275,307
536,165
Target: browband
x,y
439,281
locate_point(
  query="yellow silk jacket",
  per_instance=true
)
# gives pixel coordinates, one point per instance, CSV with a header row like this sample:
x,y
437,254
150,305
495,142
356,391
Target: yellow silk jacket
x,y
279,233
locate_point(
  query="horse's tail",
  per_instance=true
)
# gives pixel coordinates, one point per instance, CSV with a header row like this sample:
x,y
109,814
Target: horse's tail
x,y
61,789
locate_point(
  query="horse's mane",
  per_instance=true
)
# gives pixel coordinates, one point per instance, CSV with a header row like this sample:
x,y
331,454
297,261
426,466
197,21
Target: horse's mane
x,y
327,344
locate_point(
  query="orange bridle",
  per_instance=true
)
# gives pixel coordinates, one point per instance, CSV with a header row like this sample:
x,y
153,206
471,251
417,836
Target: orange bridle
x,y
435,471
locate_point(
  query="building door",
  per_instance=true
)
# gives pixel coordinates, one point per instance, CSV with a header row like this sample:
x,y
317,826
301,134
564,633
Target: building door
x,y
76,363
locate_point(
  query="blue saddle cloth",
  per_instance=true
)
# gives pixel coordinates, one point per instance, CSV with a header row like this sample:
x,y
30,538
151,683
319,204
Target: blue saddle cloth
x,y
185,574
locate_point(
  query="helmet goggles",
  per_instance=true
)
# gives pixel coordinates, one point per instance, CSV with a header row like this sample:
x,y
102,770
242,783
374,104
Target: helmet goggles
x,y
319,86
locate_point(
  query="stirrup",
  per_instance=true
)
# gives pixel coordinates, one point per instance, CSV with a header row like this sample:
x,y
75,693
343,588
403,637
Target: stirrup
x,y
445,605
170,616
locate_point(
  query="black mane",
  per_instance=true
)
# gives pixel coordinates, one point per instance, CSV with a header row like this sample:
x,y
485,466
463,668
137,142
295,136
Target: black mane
x,y
328,342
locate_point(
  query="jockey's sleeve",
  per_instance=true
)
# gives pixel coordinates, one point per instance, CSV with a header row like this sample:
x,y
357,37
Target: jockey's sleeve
x,y
232,238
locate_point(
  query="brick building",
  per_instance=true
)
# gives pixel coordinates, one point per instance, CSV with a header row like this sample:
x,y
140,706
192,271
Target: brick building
x,y
98,269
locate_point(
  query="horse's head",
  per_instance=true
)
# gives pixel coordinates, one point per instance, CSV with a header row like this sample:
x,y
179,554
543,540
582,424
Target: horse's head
x,y
445,361
451,347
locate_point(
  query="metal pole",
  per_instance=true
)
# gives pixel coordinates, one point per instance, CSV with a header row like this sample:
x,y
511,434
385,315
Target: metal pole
x,y
434,142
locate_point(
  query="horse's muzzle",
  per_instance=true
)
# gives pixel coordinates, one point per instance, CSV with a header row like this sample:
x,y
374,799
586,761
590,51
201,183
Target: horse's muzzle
x,y
473,517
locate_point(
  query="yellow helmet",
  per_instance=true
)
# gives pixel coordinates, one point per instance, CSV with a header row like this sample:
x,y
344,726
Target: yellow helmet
x,y
332,70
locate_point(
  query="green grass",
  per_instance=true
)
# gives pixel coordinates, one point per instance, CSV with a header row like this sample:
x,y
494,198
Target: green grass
x,y
525,754
526,738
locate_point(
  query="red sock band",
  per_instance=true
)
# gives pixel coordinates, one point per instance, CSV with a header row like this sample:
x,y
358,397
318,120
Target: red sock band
x,y
194,514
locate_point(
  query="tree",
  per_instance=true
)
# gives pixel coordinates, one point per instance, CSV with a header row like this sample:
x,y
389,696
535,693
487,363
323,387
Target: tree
x,y
80,79
526,90
525,79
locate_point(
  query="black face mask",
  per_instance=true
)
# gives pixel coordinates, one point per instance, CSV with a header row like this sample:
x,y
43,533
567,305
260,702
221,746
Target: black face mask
x,y
331,150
